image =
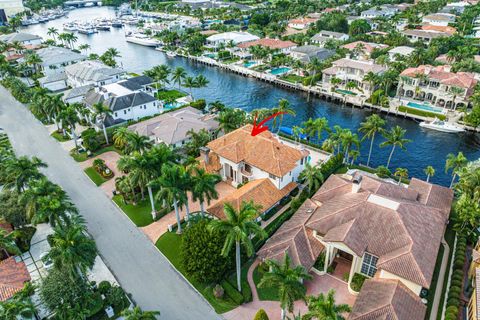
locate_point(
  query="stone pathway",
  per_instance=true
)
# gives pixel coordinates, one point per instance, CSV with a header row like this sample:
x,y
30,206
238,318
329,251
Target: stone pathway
x,y
156,229
110,158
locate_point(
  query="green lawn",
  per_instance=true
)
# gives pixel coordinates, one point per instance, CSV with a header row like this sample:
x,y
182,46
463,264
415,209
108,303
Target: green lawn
x,y
80,157
59,136
266,294
170,94
293,78
450,239
421,113
95,176
141,214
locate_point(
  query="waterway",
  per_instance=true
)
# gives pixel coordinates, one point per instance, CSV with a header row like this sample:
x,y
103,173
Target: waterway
x,y
427,147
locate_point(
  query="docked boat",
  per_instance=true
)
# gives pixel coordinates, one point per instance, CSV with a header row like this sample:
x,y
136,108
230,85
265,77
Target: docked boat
x,y
117,23
70,26
171,54
102,27
442,126
86,29
141,39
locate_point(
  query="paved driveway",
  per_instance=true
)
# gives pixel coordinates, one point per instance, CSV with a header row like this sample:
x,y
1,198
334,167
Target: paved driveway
x,y
110,158
140,268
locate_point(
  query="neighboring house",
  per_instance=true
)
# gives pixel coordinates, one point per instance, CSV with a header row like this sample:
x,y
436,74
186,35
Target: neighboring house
x,y
21,37
456,7
13,275
266,168
306,53
272,44
323,36
235,37
76,94
380,229
302,23
54,81
12,7
473,307
139,83
379,12
439,19
446,29
54,59
92,72
402,51
362,49
437,86
348,71
425,36
172,128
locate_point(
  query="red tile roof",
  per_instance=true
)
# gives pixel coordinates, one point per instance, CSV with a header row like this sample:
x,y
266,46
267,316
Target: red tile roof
x,y
443,75
13,275
369,46
270,43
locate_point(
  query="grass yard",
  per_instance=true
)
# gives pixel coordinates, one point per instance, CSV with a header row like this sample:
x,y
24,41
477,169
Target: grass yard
x,y
80,157
59,136
170,94
265,294
95,176
293,78
141,214
421,113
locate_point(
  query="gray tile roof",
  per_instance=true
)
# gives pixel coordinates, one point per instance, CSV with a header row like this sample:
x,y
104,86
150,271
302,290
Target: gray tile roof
x,y
92,71
129,100
77,92
58,55
19,36
313,51
59,76
136,83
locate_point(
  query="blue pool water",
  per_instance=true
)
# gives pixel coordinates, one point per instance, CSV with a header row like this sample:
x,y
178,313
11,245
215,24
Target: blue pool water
x,y
174,105
248,64
424,107
279,71
210,55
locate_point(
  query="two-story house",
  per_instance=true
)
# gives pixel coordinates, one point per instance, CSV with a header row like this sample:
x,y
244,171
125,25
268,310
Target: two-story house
x,y
323,36
92,72
438,86
272,44
425,36
301,23
439,19
265,169
362,49
25,39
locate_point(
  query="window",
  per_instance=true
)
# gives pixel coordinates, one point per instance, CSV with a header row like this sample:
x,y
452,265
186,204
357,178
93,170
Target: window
x,y
369,265
272,176
124,111
116,115
301,162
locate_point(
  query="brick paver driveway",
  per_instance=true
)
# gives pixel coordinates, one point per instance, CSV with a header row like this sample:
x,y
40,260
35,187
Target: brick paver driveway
x,y
110,158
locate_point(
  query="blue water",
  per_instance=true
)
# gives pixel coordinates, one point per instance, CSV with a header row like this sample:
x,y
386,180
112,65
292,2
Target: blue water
x,y
248,64
172,105
279,71
424,107
428,147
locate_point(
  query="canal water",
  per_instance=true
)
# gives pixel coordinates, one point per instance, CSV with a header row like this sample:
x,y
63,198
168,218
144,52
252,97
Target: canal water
x,y
427,147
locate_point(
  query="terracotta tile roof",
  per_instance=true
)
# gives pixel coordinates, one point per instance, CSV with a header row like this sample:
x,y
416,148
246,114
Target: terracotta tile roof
x,y
267,42
446,29
294,238
387,299
369,46
262,151
213,165
302,21
443,75
416,216
261,191
13,275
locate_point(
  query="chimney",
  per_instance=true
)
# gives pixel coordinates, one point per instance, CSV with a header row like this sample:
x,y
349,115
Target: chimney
x,y
204,153
356,183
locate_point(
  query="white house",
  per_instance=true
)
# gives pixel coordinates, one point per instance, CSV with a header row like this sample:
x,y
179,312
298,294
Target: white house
x,y
54,59
236,37
54,82
323,36
12,7
400,51
301,23
439,19
92,72
22,38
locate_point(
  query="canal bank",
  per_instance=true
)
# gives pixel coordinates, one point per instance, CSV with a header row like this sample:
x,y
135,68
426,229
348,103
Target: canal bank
x,y
234,90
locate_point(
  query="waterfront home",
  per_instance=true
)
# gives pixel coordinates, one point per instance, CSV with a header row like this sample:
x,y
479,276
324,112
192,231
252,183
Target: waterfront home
x,y
263,167
172,128
301,23
13,276
424,36
350,74
92,72
54,81
22,38
235,37
76,94
445,29
54,59
323,36
272,44
308,52
438,86
439,19
401,51
12,7
371,227
362,49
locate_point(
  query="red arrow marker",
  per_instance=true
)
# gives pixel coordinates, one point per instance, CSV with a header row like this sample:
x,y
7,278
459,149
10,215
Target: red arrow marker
x,y
260,127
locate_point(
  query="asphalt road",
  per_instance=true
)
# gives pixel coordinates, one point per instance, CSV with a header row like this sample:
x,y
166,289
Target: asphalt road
x,y
139,267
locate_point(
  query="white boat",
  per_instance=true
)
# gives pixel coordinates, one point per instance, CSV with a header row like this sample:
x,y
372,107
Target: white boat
x,y
442,126
141,39
71,26
171,54
86,29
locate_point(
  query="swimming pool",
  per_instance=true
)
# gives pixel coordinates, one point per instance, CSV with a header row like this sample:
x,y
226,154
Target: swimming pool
x,y
210,55
279,71
249,64
341,91
424,107
174,105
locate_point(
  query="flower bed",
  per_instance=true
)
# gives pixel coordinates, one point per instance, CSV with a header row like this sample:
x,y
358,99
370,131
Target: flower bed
x,y
102,169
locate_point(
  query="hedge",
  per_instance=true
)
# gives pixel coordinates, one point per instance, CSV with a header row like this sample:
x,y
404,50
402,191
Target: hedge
x,y
456,280
261,315
233,293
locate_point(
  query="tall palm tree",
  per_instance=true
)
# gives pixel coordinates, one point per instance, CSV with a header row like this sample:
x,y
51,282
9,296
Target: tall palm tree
x,y
324,307
455,163
100,113
120,137
54,208
316,127
373,125
371,78
33,59
178,75
284,108
312,176
203,189
84,47
53,32
21,171
401,173
239,227
430,172
395,138
348,139
38,190
137,314
314,66
69,119
190,83
201,81
138,143
287,280
160,74
139,169
455,92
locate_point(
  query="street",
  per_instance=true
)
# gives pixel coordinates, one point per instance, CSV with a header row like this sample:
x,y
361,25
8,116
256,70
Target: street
x,y
139,267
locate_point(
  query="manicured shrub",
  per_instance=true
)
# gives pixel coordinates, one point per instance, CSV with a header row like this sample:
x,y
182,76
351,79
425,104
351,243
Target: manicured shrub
x,y
25,235
457,283
261,315
453,301
104,287
233,293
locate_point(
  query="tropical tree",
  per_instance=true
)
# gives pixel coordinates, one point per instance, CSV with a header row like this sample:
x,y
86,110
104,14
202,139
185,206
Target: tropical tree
x,y
316,127
69,119
312,176
430,172
137,314
371,78
137,143
455,163
455,92
179,75
395,138
100,113
324,307
53,208
52,31
284,108
38,190
33,59
231,119
160,74
287,280
401,173
190,83
203,186
17,308
347,140
239,227
21,171
201,81
84,47
120,137
374,124
7,242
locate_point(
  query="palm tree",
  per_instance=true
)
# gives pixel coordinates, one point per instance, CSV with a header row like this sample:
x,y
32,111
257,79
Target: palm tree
x,y
100,114
201,81
179,74
287,280
314,66
297,132
190,83
371,78
54,208
284,108
21,171
137,143
353,154
373,125
84,46
36,193
171,189
69,119
120,137
347,140
455,92
53,32
455,163
312,176
113,53
395,138
239,228
430,172
324,307
33,59
204,186
401,173
316,127
137,314
160,74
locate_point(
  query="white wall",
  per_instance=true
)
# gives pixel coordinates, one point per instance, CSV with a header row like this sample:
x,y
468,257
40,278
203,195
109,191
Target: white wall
x,y
55,86
137,112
